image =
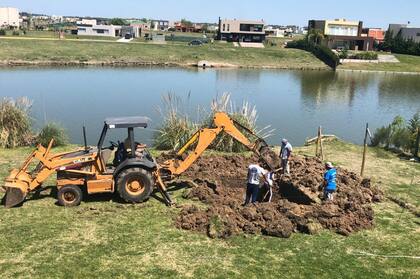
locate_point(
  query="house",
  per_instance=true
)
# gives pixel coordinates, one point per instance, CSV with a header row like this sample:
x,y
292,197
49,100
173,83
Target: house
x,y
274,32
341,33
182,27
159,25
140,27
378,34
407,32
89,27
241,30
9,18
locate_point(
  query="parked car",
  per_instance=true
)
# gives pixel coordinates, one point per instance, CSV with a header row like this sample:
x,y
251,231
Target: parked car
x,y
128,36
195,43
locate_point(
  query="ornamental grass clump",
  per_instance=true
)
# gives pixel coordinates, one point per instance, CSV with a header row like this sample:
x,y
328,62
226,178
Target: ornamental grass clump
x,y
15,122
52,131
246,115
176,126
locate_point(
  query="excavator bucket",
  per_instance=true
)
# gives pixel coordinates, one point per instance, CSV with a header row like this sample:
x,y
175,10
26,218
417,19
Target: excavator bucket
x,y
13,197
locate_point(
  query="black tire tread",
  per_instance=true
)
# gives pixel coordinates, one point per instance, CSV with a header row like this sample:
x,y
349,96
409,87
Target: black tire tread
x,y
75,189
121,185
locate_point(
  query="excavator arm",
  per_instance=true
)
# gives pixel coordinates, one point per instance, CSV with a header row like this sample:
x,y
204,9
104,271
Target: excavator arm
x,y
206,136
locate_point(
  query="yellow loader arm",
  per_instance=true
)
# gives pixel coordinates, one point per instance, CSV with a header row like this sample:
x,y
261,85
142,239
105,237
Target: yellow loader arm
x,y
204,137
22,181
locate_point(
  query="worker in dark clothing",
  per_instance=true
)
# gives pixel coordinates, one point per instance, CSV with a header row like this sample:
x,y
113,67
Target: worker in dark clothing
x,y
330,185
255,174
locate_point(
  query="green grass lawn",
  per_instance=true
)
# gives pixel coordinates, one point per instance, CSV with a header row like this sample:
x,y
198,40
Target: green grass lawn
x,y
106,239
37,50
408,63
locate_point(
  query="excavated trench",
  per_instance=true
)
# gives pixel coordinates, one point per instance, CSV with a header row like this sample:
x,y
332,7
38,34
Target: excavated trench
x,y
220,181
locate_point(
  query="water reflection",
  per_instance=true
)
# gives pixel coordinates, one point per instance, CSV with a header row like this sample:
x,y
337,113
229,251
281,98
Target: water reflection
x,y
293,102
322,87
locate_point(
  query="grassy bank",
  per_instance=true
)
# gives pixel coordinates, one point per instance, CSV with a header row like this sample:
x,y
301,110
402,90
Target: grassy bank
x,y
408,63
107,239
24,50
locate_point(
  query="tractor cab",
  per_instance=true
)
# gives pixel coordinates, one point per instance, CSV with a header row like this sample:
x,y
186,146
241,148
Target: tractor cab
x,y
124,150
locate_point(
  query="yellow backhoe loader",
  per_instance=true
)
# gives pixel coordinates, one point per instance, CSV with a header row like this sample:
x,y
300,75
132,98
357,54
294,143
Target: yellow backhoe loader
x,y
133,172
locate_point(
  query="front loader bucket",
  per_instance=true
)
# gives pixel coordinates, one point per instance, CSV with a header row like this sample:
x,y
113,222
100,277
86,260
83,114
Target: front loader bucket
x,y
13,197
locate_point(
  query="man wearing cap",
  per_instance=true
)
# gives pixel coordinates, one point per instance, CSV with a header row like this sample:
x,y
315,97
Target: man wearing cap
x,y
330,186
285,152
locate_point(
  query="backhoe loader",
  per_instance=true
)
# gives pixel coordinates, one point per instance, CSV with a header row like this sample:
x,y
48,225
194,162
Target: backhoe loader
x,y
133,173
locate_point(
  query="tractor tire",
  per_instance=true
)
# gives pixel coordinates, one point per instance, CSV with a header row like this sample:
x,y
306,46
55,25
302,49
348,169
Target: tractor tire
x,y
135,185
70,196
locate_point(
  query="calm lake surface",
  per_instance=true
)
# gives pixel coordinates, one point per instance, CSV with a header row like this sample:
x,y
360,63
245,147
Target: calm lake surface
x,y
294,103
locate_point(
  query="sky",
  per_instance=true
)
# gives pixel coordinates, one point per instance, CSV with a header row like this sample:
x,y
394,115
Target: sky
x,y
373,13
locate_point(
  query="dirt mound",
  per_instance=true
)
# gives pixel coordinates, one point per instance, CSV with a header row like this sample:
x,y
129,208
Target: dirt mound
x,y
219,182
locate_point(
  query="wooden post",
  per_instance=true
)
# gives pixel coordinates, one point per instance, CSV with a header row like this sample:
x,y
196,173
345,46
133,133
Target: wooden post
x,y
317,144
416,148
320,143
364,150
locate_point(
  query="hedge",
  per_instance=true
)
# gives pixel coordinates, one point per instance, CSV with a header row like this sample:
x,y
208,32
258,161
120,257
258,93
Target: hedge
x,y
321,52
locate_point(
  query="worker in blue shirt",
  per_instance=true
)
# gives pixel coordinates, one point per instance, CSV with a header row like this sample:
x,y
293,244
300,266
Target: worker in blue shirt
x,y
330,185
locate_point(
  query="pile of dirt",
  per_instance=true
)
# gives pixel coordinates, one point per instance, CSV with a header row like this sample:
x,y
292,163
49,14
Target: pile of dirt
x,y
220,181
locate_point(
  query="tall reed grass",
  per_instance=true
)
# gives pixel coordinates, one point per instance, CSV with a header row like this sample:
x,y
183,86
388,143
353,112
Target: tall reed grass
x,y
15,122
178,127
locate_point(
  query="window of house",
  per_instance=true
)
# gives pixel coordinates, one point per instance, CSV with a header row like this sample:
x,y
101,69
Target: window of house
x,y
418,34
224,27
228,27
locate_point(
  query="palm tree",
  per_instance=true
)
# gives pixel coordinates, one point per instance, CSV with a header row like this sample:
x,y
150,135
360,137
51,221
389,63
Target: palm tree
x,y
315,36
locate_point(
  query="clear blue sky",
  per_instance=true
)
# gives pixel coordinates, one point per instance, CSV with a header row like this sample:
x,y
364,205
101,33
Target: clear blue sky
x,y
374,13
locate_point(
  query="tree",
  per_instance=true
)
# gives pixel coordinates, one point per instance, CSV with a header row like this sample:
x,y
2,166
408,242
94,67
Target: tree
x,y
186,23
118,21
400,134
315,36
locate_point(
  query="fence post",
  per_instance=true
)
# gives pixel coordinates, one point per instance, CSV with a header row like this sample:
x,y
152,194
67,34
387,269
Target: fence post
x,y
364,150
416,149
320,143
317,144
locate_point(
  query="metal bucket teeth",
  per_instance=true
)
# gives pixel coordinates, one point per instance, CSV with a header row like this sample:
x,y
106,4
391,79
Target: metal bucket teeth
x,y
13,197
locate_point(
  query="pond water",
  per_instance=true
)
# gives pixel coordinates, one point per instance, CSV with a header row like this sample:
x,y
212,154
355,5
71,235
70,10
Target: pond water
x,y
294,103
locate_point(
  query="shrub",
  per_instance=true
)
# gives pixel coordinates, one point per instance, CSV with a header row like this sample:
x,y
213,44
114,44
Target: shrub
x,y
15,123
176,126
321,52
52,131
2,32
367,55
344,54
15,33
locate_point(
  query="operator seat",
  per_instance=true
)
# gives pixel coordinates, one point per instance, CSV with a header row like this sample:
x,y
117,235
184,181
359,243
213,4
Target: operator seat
x,y
105,155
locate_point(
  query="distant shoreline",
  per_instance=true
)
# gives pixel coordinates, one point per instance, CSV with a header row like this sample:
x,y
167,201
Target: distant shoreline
x,y
216,65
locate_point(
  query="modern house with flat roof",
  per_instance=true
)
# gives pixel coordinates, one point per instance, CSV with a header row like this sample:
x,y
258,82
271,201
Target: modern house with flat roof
x,y
407,33
90,28
241,30
9,17
341,33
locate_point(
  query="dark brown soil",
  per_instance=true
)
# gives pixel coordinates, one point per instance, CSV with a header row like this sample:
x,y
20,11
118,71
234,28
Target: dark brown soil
x,y
220,182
